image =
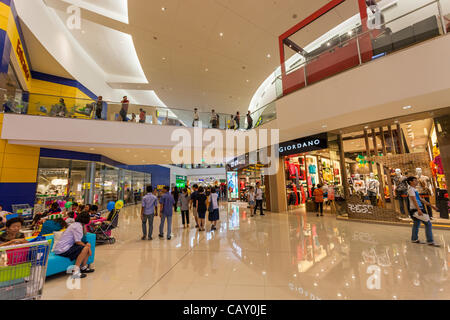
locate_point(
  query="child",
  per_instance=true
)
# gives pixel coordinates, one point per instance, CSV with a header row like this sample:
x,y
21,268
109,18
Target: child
x,y
94,214
71,218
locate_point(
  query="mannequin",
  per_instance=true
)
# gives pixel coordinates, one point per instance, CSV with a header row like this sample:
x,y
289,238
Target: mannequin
x,y
373,189
425,189
359,186
400,189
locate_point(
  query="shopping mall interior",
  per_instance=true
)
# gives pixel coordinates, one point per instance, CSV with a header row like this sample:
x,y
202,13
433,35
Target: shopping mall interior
x,y
283,150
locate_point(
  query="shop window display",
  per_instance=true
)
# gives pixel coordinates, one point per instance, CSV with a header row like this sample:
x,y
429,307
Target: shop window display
x,y
305,170
381,156
87,182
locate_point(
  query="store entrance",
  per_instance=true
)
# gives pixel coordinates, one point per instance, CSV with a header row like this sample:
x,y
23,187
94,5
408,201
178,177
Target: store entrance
x,y
307,171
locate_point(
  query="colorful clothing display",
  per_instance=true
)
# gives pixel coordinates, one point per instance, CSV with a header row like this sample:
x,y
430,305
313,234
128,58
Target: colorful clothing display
x,y
312,169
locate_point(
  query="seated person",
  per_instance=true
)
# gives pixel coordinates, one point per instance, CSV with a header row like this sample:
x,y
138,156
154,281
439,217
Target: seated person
x,y
3,214
54,208
51,226
87,208
12,235
95,215
70,218
71,246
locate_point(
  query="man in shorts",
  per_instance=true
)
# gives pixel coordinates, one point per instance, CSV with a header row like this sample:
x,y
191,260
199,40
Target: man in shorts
x,y
194,204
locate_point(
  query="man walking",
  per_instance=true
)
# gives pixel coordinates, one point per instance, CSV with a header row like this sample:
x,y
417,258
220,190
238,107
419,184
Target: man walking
x,y
148,212
259,199
194,204
167,202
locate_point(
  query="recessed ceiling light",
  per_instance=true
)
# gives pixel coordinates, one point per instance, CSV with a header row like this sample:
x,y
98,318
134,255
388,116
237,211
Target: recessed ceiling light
x,y
407,107
396,121
366,127
221,34
324,126
247,80
206,70
92,149
268,55
350,33
163,9
328,44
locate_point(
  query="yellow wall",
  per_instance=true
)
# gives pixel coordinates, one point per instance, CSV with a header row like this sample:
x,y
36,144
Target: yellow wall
x,y
46,94
18,164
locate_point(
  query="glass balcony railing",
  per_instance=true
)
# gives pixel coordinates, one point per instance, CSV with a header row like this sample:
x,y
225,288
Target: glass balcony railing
x,y
356,47
81,108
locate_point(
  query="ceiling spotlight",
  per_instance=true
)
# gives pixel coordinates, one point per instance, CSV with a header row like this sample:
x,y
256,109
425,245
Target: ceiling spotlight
x,y
164,58
328,44
350,33
324,126
247,80
221,34
206,69
366,127
163,9
268,55
407,107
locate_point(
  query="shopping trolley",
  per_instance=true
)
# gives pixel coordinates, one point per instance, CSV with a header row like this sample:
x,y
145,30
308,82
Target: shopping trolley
x,y
22,270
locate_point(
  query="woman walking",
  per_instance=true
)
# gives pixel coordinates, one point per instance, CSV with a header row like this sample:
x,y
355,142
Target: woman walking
x,y
214,208
201,208
183,203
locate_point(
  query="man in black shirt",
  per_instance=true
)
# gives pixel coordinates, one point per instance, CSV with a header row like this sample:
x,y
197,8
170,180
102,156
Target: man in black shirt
x,y
194,204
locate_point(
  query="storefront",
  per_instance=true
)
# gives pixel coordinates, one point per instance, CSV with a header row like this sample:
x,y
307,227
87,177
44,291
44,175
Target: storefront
x,y
380,156
87,182
308,162
244,172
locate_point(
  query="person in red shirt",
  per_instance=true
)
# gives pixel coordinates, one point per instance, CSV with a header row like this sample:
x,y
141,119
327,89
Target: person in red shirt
x,y
142,116
124,111
318,198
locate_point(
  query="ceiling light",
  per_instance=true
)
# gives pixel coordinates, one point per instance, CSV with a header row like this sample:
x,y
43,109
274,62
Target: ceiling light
x,y
247,80
328,44
407,107
366,127
396,121
268,55
350,33
221,34
92,149
163,9
206,70
324,126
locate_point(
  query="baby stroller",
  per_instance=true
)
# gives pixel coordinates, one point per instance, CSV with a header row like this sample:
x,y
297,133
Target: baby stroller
x,y
103,231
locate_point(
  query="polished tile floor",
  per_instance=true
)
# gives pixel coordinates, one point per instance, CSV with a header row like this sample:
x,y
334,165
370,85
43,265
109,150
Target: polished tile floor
x,y
279,256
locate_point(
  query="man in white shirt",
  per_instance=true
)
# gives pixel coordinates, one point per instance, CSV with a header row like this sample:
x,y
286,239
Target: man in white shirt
x,y
259,199
417,213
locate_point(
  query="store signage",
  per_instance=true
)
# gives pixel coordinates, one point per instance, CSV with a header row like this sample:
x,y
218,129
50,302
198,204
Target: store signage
x,y
23,61
302,145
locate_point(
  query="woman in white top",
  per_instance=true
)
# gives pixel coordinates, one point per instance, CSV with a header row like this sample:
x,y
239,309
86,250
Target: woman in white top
x,y
251,199
213,208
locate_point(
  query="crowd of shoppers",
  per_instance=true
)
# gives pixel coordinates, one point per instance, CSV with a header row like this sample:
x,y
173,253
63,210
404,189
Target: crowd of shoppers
x,y
201,202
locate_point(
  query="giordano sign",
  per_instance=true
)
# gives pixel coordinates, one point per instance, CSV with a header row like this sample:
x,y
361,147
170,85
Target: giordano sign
x,y
302,145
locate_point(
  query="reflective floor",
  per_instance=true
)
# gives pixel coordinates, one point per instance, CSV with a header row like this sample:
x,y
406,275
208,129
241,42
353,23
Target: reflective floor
x,y
278,256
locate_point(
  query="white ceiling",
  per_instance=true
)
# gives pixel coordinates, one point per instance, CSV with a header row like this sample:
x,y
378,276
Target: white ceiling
x,y
186,61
